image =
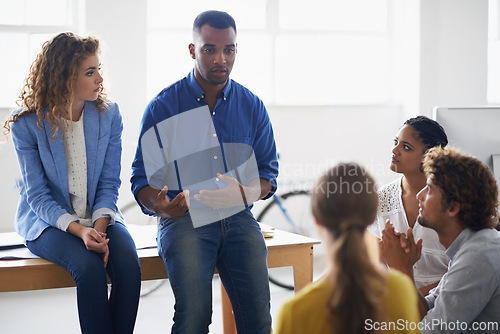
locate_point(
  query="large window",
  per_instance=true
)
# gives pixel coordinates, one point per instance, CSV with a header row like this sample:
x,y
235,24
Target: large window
x,y
290,52
24,26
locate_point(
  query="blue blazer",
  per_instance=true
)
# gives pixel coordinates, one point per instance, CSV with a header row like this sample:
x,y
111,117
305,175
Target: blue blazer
x,y
42,159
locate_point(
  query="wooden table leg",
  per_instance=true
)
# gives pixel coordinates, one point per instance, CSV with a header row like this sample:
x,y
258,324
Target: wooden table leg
x,y
229,325
303,270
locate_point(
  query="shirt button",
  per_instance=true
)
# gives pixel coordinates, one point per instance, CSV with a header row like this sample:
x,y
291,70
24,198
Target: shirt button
x,y
224,99
213,113
198,99
203,96
217,179
215,157
215,135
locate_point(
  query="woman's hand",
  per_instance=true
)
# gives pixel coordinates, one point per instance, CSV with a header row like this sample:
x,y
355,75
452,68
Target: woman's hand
x,y
100,225
94,240
105,255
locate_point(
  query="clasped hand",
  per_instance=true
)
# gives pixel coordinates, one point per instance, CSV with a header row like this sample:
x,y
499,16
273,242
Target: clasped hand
x,y
399,250
96,241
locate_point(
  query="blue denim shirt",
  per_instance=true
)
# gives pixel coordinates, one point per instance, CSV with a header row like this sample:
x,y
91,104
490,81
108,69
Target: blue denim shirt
x,y
468,295
182,142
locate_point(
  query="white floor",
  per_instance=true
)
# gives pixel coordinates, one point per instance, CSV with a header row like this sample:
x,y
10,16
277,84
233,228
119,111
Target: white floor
x,y
54,311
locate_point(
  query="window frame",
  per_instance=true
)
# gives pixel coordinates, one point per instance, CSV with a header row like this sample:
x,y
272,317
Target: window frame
x,y
272,32
75,19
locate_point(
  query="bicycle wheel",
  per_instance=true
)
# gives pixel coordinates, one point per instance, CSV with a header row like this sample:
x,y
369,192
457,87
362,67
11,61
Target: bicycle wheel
x,y
291,212
133,215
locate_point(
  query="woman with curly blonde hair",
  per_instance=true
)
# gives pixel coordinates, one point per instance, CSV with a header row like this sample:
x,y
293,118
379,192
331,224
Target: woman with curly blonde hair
x,y
67,137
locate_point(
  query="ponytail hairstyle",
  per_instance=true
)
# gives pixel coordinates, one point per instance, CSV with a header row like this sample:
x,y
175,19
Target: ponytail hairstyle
x,y
344,201
48,90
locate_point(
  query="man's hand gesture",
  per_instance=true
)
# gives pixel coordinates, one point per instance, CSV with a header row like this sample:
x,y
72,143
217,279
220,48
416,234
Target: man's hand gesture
x,y
233,195
398,250
172,208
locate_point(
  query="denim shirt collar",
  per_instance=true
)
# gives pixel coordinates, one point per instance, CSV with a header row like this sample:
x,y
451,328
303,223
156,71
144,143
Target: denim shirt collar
x,y
462,238
199,94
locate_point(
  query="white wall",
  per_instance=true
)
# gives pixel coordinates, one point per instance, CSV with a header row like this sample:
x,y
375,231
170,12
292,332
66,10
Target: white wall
x,y
121,25
9,171
453,55
442,61
311,139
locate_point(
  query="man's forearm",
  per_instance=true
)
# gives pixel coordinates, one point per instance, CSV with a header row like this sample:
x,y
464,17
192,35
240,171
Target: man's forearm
x,y
265,188
423,307
425,289
257,189
148,197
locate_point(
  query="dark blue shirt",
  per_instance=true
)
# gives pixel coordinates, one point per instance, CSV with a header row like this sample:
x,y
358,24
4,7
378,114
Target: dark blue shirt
x,y
186,143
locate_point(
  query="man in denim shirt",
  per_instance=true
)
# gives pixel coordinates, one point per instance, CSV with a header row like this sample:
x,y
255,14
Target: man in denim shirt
x,y
206,152
460,202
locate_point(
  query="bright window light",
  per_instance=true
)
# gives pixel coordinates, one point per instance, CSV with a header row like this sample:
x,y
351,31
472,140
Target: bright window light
x,y
34,12
493,90
289,51
181,14
340,15
24,26
331,70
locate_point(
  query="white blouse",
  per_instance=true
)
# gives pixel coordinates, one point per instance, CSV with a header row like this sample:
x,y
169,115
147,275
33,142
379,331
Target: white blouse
x,y
433,263
76,162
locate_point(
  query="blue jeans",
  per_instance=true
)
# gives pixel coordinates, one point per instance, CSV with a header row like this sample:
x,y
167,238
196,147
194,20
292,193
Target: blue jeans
x,y
97,313
236,247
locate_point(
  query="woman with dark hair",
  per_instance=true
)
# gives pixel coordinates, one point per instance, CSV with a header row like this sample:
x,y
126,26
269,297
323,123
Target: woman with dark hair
x,y
356,295
398,202
67,137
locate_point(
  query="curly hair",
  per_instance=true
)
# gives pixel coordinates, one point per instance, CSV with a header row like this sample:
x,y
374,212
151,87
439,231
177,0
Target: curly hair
x,y
466,180
48,89
344,201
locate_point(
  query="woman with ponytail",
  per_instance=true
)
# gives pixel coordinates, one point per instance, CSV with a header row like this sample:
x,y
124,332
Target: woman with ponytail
x,y
356,295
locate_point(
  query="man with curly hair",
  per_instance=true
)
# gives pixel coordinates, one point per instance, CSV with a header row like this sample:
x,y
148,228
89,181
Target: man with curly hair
x,y
460,202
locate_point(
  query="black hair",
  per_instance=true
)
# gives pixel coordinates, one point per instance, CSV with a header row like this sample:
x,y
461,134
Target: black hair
x,y
429,131
215,19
